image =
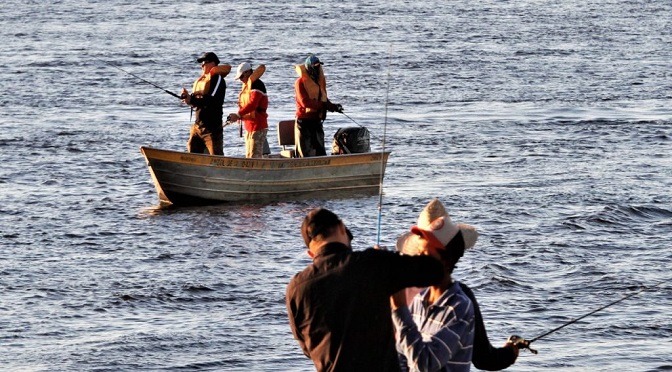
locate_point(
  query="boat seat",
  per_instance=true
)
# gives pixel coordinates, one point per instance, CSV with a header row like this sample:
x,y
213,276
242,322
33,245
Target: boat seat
x,y
286,138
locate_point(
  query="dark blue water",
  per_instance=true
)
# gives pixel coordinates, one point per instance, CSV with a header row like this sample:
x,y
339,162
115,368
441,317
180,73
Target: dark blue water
x,y
547,125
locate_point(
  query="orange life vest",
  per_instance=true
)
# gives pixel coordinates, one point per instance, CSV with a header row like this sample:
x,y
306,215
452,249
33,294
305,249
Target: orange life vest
x,y
246,92
202,84
313,88
315,91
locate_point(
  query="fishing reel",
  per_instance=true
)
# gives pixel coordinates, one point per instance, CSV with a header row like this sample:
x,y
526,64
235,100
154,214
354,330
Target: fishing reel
x,y
520,343
231,119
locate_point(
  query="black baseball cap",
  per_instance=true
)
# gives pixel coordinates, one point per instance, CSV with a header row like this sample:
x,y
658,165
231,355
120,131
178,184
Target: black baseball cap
x,y
208,57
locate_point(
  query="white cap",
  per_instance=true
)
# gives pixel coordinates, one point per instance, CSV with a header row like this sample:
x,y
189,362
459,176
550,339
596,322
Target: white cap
x,y
242,68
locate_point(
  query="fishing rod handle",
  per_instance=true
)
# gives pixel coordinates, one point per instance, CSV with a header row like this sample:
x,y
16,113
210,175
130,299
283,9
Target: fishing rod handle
x,y
520,343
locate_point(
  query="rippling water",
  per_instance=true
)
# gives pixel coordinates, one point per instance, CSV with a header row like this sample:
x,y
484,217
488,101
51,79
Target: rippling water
x,y
545,124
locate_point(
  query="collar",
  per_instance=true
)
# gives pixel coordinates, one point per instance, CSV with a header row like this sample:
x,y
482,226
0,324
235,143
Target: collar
x,y
331,248
443,299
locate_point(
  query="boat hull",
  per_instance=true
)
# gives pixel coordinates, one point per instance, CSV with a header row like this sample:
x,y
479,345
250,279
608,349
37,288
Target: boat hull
x,y
183,178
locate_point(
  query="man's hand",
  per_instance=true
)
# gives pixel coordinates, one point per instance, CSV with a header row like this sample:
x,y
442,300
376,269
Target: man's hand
x,y
398,299
186,98
334,107
517,343
514,347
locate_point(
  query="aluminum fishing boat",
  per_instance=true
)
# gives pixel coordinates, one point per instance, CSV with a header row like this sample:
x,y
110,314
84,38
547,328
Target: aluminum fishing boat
x,y
183,178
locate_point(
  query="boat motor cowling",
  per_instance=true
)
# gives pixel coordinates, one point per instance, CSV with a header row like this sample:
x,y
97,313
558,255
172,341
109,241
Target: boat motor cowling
x,y
352,140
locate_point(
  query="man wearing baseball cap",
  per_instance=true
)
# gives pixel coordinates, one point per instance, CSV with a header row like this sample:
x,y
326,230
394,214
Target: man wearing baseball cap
x,y
206,99
448,311
252,106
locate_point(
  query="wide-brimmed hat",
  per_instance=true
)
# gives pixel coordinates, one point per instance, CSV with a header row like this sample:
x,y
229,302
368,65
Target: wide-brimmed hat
x,y
435,225
242,68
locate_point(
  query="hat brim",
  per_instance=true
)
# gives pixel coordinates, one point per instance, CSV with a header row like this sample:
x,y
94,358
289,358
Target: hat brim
x,y
427,235
469,234
311,65
408,244
241,74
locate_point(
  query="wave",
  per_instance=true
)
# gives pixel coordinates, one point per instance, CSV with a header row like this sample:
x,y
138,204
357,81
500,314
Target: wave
x,y
620,216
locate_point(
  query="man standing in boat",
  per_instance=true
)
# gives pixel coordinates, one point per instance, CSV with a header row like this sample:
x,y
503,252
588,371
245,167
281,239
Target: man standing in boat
x,y
312,105
206,99
339,306
252,106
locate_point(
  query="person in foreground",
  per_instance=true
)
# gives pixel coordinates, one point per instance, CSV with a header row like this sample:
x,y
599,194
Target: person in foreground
x,y
252,106
312,105
448,312
339,306
207,98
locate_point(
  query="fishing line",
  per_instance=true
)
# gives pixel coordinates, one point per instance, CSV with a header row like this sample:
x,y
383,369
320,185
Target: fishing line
x,y
138,77
525,344
353,120
360,125
382,155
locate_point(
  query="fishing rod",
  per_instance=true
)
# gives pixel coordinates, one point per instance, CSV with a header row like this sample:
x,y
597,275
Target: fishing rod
x,y
382,156
138,77
525,344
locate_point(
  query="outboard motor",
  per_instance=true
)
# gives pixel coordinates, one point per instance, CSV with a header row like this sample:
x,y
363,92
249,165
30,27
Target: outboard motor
x,y
353,140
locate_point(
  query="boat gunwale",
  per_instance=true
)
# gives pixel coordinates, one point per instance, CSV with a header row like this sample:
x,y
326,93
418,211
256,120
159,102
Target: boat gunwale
x,y
260,164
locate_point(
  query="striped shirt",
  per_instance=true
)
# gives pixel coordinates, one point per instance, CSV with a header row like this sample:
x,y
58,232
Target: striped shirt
x,y
439,337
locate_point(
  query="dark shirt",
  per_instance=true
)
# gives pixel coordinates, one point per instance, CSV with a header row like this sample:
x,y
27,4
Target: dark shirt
x,y
208,106
486,356
259,85
339,307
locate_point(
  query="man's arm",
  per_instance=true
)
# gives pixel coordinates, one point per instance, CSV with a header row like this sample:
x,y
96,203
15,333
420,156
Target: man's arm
x,y
415,271
256,74
293,314
485,356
